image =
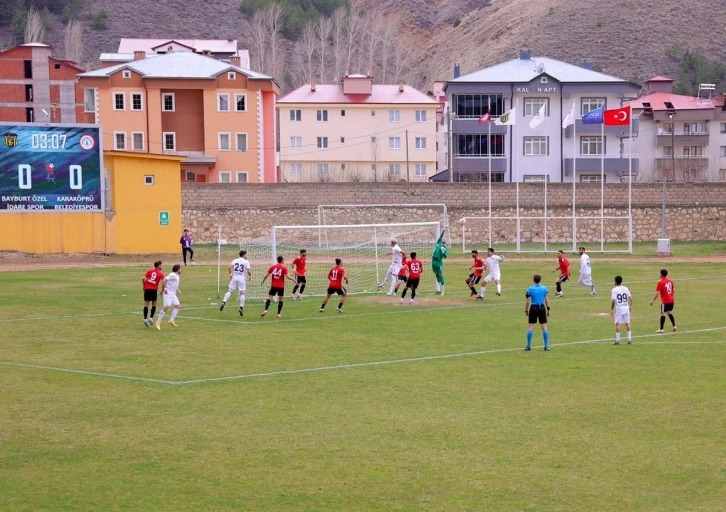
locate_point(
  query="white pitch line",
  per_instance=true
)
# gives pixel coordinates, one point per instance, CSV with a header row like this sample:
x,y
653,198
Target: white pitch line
x,y
87,372
63,317
430,358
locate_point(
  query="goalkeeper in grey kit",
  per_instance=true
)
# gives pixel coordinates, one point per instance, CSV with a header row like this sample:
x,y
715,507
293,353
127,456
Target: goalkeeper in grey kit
x,y
441,251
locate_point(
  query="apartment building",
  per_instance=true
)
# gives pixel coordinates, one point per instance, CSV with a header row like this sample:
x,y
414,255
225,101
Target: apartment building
x,y
217,114
357,130
222,49
518,152
36,87
682,138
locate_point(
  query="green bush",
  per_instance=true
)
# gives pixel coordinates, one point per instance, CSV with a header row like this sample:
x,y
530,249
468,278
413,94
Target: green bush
x,y
99,19
696,69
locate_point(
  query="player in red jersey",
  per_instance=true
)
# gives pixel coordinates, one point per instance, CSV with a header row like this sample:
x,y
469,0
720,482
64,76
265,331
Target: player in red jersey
x,y
563,265
475,276
667,291
279,273
300,264
336,275
402,277
150,282
415,267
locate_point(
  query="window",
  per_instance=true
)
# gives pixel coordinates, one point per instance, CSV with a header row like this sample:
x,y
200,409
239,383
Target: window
x,y
137,141
225,177
296,115
723,151
240,103
231,75
394,116
190,176
29,115
394,142
420,116
373,113
693,128
543,80
126,73
28,68
242,177
241,141
476,105
536,146
28,92
223,139
420,143
342,113
322,116
119,101
476,145
591,146
322,143
167,102
535,178
723,127
593,178
668,151
323,169
394,169
373,139
295,142
295,169
149,179
722,175
342,140
169,141
222,102
590,104
532,106
56,66
89,100
119,141
420,170
137,101
693,151
667,128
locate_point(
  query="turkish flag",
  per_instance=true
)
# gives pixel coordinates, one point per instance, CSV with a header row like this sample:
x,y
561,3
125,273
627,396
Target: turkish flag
x,y
617,116
486,118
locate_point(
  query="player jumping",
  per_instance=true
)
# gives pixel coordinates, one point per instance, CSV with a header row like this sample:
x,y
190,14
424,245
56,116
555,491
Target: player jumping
x,y
563,265
239,270
336,276
170,291
300,264
415,267
397,253
150,282
441,251
279,273
478,270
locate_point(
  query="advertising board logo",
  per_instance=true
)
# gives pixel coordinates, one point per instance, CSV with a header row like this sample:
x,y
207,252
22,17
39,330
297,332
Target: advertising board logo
x,y
87,142
10,140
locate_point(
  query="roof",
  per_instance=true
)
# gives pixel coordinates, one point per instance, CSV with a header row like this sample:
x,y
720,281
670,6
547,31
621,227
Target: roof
x,y
244,57
36,45
176,65
381,94
659,79
67,62
524,71
130,45
680,102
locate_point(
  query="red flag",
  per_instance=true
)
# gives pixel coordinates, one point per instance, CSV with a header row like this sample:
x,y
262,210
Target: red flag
x,y
617,116
486,118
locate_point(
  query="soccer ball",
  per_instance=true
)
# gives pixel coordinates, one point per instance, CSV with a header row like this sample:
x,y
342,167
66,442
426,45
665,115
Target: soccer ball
x,y
193,263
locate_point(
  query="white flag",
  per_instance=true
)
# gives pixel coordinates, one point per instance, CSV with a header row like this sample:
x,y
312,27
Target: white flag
x,y
508,118
569,118
538,119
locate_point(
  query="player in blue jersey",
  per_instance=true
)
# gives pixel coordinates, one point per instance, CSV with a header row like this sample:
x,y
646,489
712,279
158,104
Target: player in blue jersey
x,y
537,308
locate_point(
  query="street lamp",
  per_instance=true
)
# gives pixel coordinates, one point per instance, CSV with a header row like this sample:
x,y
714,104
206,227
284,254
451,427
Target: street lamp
x,y
670,114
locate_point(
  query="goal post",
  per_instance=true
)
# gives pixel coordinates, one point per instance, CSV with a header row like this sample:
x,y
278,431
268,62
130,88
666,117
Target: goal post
x,y
329,214
363,248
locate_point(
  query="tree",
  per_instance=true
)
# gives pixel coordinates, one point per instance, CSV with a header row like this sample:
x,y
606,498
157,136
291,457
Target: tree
x,y
338,19
352,30
324,26
258,36
34,28
74,41
305,50
274,24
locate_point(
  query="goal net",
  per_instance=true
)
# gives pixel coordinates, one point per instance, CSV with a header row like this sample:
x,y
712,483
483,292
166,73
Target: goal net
x,y
362,247
384,213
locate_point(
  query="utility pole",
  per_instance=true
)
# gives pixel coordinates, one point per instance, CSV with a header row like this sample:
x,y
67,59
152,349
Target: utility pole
x,y
408,171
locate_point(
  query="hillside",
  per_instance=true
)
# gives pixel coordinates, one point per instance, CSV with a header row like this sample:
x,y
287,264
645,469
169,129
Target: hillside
x,y
628,38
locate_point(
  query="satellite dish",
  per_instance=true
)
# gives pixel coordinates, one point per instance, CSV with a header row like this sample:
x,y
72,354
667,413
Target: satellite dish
x,y
540,68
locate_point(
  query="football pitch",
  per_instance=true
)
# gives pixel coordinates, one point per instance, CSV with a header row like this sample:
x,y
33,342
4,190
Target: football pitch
x,y
427,407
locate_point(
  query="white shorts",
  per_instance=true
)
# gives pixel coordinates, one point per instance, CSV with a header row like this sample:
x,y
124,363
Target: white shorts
x,y
171,300
493,277
585,279
622,318
238,283
395,268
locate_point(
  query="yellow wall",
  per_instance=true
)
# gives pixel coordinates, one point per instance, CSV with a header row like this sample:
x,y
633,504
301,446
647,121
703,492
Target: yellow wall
x,y
132,225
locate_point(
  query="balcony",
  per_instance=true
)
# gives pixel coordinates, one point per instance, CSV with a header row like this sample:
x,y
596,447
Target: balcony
x,y
684,138
479,163
682,162
595,164
594,129
468,125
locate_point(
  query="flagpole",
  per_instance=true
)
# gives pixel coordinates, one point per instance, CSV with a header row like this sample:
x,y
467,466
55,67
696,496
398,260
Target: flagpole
x,y
602,186
630,184
547,176
574,175
489,151
518,222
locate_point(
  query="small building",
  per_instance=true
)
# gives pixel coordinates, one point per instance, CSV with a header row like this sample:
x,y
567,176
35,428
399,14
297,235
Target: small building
x,y
218,115
222,49
357,130
683,138
36,87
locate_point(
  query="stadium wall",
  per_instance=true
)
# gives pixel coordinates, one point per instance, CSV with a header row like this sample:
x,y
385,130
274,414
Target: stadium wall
x,y
247,211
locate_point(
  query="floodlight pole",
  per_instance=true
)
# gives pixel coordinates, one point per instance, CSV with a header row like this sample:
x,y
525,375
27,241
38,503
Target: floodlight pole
x,y
671,115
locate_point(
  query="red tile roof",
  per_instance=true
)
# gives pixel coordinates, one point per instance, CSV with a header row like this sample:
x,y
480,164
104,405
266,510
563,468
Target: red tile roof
x,y
680,102
381,94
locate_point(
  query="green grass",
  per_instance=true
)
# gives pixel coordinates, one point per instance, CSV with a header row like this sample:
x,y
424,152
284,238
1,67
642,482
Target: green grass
x,y
308,422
